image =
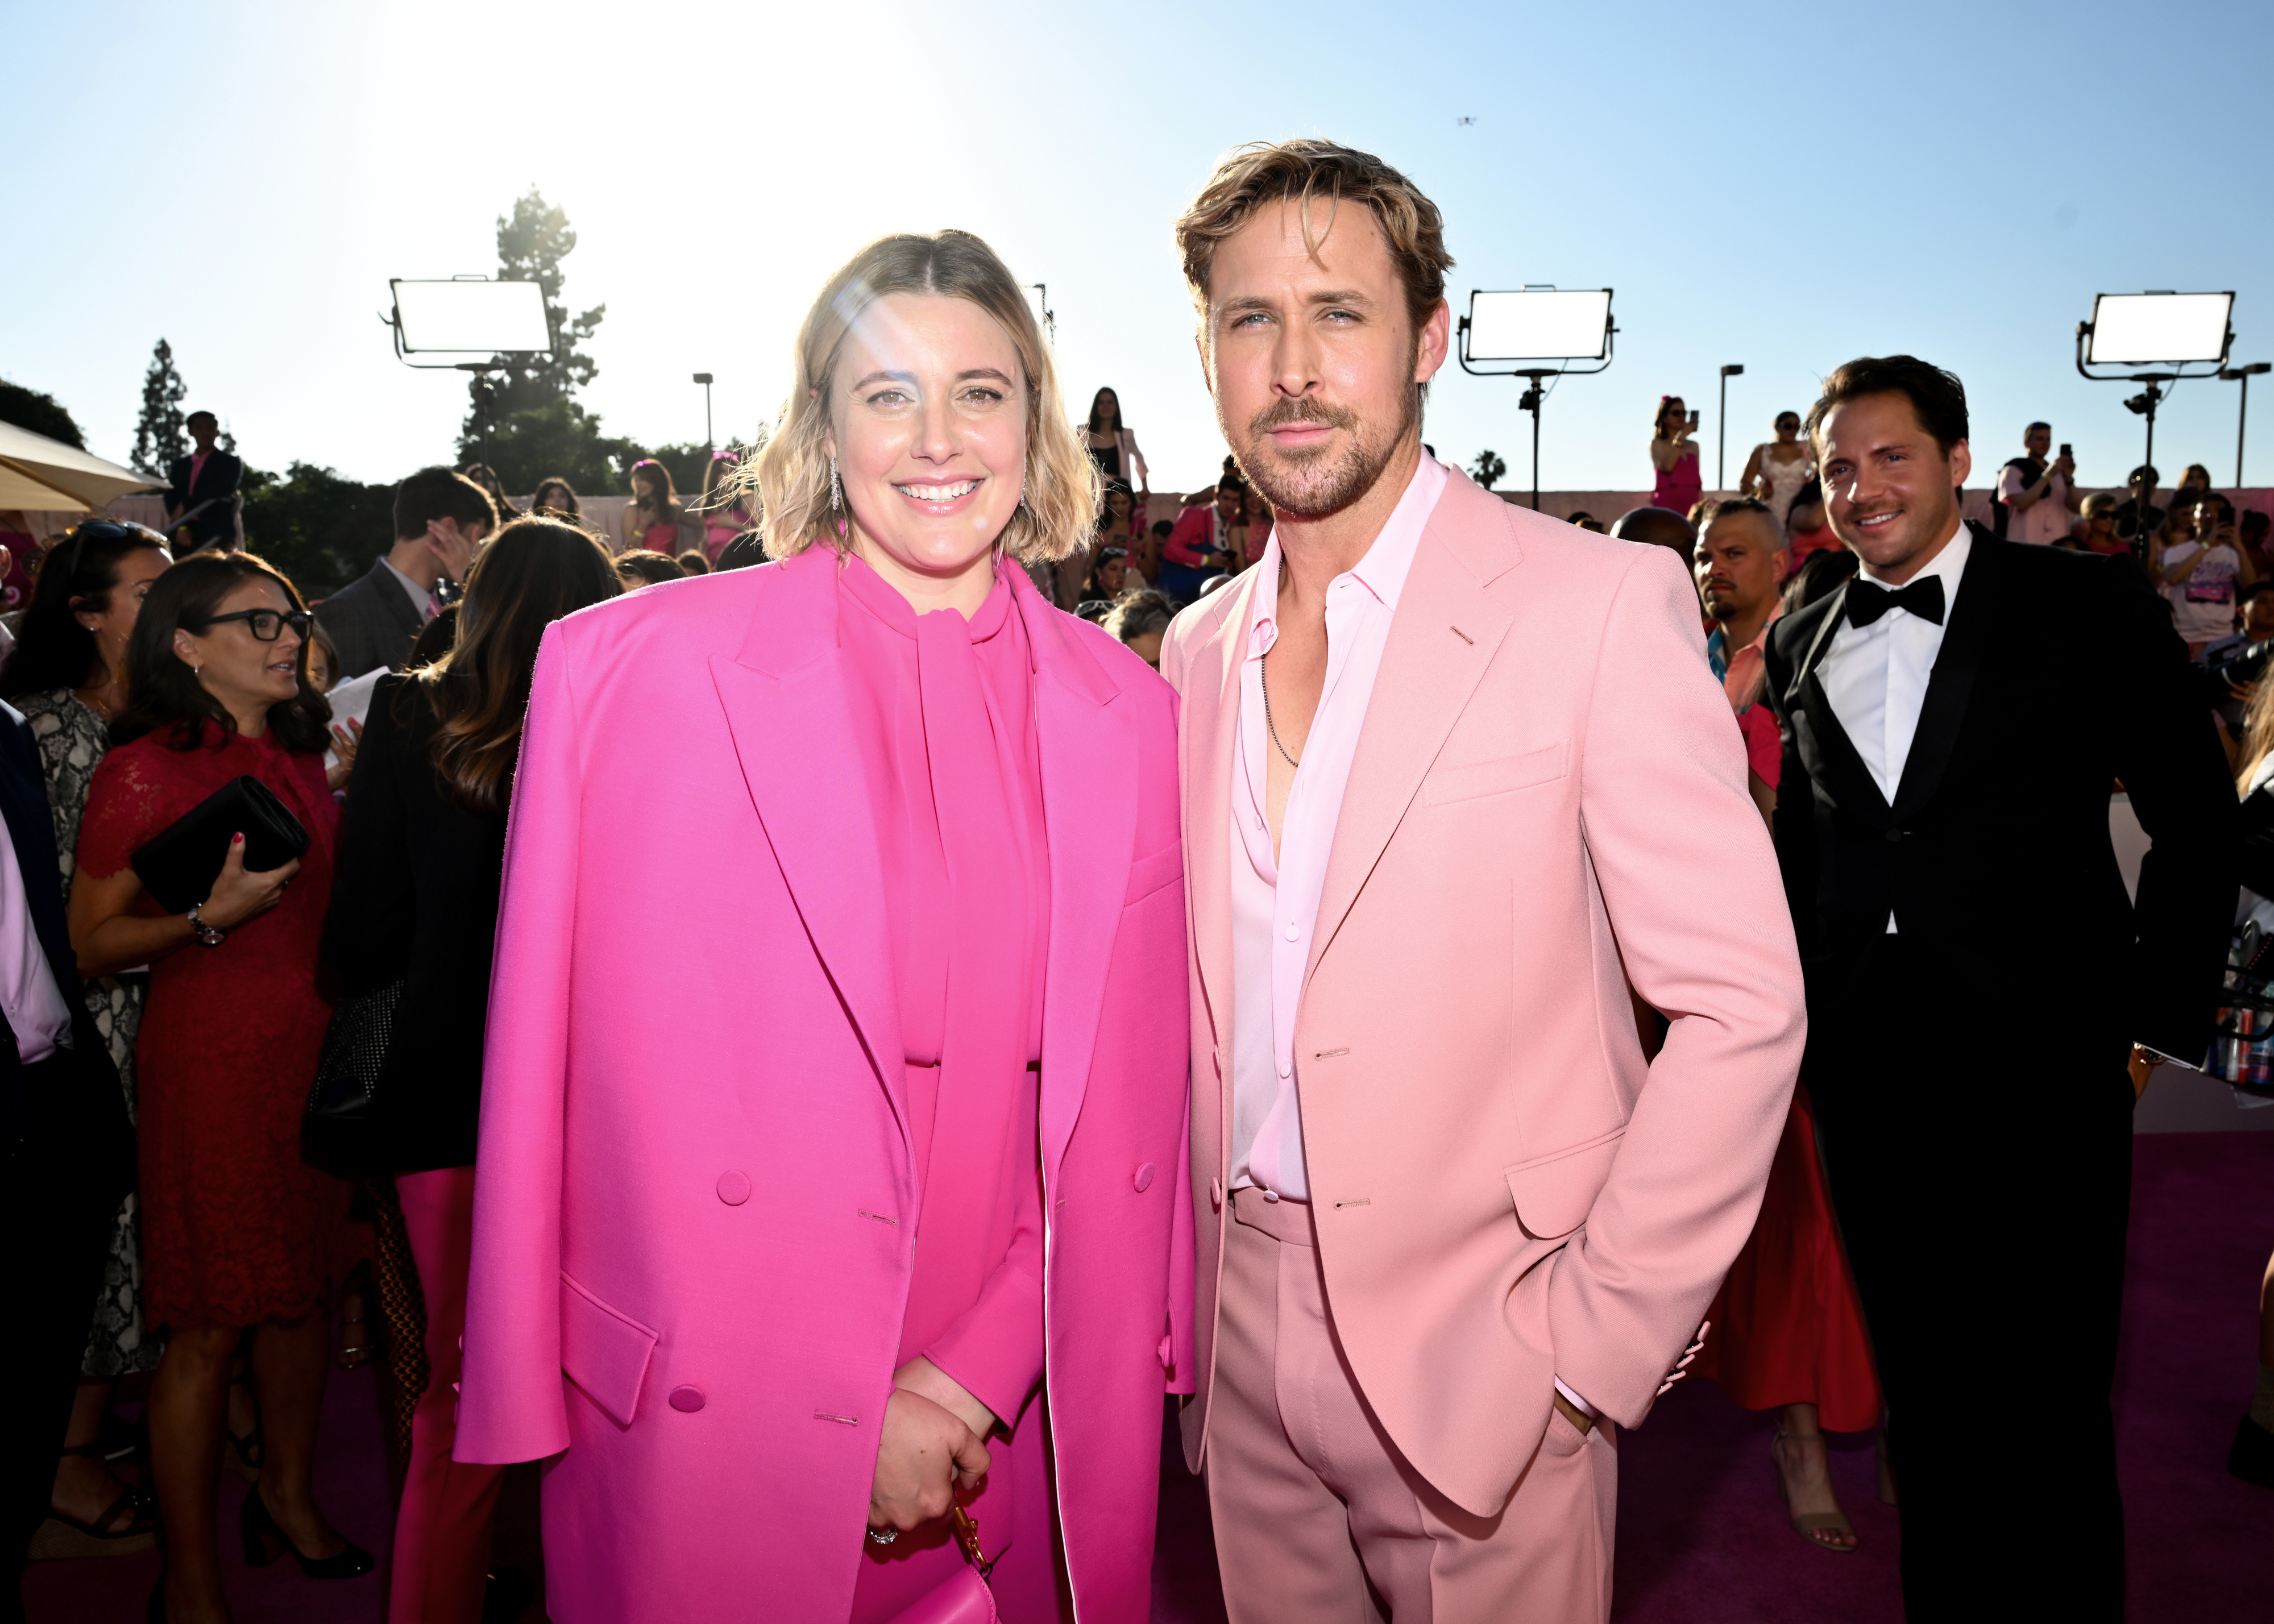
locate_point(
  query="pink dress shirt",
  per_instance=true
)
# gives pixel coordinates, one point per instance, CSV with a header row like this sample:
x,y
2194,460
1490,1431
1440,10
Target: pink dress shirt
x,y
945,712
1276,901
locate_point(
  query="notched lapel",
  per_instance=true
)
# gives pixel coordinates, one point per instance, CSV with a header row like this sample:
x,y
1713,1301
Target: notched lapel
x,y
1209,707
1429,672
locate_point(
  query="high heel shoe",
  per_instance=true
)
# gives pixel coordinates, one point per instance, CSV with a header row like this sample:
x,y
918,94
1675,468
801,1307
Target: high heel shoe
x,y
260,1528
1808,1524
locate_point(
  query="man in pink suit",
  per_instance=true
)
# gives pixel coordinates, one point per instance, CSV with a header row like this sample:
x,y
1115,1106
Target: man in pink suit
x,y
1454,780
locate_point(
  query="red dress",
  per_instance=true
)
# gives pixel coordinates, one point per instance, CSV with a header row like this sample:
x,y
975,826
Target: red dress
x,y
235,1229
1787,1328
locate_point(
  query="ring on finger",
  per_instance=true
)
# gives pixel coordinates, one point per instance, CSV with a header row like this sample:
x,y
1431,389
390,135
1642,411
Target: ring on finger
x,y
882,1535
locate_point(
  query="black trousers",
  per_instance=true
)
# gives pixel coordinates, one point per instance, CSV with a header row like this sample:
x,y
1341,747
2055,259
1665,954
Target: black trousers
x,y
60,1195
1983,1190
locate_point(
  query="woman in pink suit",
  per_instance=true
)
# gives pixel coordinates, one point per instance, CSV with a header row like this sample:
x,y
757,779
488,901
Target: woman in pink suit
x,y
836,1169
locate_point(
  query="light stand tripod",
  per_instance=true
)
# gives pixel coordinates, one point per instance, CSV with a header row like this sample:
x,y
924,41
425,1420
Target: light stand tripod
x,y
1535,377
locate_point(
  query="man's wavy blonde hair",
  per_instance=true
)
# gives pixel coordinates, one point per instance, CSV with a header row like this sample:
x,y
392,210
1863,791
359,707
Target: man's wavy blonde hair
x,y
790,477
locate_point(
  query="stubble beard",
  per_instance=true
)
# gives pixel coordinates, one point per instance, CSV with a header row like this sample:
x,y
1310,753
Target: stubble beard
x,y
1313,483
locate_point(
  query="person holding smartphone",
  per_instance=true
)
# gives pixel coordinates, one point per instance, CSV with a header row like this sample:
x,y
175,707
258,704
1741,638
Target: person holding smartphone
x,y
1675,455
2035,497
2201,575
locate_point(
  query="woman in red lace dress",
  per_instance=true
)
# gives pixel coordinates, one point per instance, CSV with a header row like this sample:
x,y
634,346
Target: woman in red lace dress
x,y
236,1229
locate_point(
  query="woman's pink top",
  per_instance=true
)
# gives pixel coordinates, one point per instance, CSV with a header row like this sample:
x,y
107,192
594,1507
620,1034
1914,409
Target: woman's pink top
x,y
662,538
1679,487
946,709
722,527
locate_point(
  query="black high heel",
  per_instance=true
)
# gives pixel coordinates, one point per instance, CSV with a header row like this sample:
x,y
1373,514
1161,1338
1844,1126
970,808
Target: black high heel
x,y
258,1526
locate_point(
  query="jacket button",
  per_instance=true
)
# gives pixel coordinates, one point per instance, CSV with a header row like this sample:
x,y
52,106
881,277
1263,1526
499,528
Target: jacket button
x,y
1894,835
1144,1178
1215,1194
734,1189
686,1399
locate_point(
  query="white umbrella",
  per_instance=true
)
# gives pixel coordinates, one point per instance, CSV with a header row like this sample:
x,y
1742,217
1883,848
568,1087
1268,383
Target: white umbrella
x,y
24,493
88,481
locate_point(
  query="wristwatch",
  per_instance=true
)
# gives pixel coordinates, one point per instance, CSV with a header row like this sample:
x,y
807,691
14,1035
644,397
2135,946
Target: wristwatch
x,y
208,936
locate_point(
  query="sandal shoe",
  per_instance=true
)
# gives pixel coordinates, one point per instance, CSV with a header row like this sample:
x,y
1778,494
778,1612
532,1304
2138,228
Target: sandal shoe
x,y
63,1537
354,1352
1808,1523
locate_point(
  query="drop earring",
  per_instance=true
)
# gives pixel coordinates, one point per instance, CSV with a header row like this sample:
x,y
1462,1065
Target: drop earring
x,y
836,493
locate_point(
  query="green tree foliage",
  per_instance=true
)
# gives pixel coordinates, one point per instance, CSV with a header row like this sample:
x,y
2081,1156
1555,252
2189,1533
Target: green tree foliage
x,y
43,414
159,436
322,530
535,427
1489,469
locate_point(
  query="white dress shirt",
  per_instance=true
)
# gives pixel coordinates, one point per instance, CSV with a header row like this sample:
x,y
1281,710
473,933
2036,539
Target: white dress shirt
x,y
1274,903
36,1012
1875,676
422,597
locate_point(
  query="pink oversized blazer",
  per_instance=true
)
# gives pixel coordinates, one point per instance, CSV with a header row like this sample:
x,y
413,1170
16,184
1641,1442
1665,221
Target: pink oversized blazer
x,y
1548,803
695,1206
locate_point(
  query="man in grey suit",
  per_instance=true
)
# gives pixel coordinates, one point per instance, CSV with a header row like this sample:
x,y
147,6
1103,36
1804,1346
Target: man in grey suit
x,y
441,518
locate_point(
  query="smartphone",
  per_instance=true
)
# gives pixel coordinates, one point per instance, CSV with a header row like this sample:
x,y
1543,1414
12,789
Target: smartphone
x,y
2066,452
1694,417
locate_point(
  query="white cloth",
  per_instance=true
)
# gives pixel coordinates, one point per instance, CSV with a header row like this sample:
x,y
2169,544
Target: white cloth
x,y
1275,902
1785,479
2044,521
2202,606
36,1012
1875,676
422,597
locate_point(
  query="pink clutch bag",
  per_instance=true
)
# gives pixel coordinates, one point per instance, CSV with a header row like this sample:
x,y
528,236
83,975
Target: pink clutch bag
x,y
964,1599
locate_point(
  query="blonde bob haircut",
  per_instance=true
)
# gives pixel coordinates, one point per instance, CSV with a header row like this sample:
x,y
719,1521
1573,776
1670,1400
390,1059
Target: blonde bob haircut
x,y
791,476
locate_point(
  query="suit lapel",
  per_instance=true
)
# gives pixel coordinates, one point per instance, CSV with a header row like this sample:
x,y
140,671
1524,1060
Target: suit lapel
x,y
1210,746
1444,636
784,694
1089,818
1965,635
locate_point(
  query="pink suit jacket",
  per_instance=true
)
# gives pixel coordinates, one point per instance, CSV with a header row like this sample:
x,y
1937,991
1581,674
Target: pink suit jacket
x,y
695,1206
1548,803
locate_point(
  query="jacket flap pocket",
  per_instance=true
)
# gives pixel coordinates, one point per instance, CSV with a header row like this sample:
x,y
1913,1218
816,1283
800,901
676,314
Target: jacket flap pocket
x,y
1555,1192
1497,778
1148,875
603,1351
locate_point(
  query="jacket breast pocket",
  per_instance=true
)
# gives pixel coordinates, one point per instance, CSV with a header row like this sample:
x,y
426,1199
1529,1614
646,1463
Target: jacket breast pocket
x,y
1497,777
604,1352
1148,875
1555,1192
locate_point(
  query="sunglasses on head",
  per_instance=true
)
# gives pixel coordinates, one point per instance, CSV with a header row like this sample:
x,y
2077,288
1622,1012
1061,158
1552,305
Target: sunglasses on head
x,y
266,624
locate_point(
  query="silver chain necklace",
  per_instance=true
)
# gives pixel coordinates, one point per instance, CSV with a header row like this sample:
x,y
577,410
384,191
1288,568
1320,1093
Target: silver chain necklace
x,y
1263,671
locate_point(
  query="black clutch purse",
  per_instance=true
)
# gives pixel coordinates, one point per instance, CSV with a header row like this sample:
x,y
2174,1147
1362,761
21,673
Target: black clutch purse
x,y
180,864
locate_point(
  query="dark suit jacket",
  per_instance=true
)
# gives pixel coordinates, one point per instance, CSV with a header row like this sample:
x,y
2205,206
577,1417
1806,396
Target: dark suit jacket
x,y
89,1128
372,622
217,483
416,901
1995,856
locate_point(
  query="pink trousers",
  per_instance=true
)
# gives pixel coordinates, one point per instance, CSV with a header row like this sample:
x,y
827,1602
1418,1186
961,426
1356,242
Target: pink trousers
x,y
442,1533
1319,1516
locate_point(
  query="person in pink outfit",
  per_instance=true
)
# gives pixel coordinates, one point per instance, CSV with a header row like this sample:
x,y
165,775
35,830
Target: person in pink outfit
x,y
1453,771
833,1175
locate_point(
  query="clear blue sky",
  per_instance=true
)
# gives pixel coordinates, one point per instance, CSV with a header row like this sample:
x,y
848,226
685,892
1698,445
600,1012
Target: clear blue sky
x,y
1783,186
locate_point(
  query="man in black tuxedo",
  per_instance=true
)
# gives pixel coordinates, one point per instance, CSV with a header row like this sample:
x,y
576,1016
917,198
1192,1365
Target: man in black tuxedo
x,y
202,493
1977,981
69,1154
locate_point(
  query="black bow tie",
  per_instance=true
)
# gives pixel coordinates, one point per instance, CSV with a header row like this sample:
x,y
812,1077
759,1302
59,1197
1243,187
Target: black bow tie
x,y
1868,601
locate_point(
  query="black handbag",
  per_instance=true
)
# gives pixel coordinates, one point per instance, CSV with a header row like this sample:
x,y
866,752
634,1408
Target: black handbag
x,y
336,1134
181,862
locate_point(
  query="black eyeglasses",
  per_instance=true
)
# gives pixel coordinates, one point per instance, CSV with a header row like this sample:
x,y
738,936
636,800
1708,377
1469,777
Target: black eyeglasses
x,y
267,624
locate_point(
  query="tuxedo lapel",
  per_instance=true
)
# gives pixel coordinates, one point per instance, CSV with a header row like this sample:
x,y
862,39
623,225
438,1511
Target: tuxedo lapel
x,y
784,694
1965,636
1443,638
1825,749
1090,816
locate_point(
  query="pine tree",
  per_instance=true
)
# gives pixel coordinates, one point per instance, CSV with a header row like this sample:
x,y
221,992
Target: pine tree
x,y
159,436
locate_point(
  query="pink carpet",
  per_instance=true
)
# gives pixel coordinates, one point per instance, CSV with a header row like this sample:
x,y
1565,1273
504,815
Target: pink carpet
x,y
1702,1537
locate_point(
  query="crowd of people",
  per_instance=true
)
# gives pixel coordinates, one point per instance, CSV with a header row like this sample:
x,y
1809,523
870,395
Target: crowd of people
x,y
1332,1038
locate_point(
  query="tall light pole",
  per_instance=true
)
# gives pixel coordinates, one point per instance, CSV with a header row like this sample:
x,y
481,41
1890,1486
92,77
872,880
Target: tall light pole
x,y
2243,375
705,379
1721,431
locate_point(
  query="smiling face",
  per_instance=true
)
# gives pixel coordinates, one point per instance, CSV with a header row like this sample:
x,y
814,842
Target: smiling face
x,y
1312,359
928,410
1787,429
237,668
1890,492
